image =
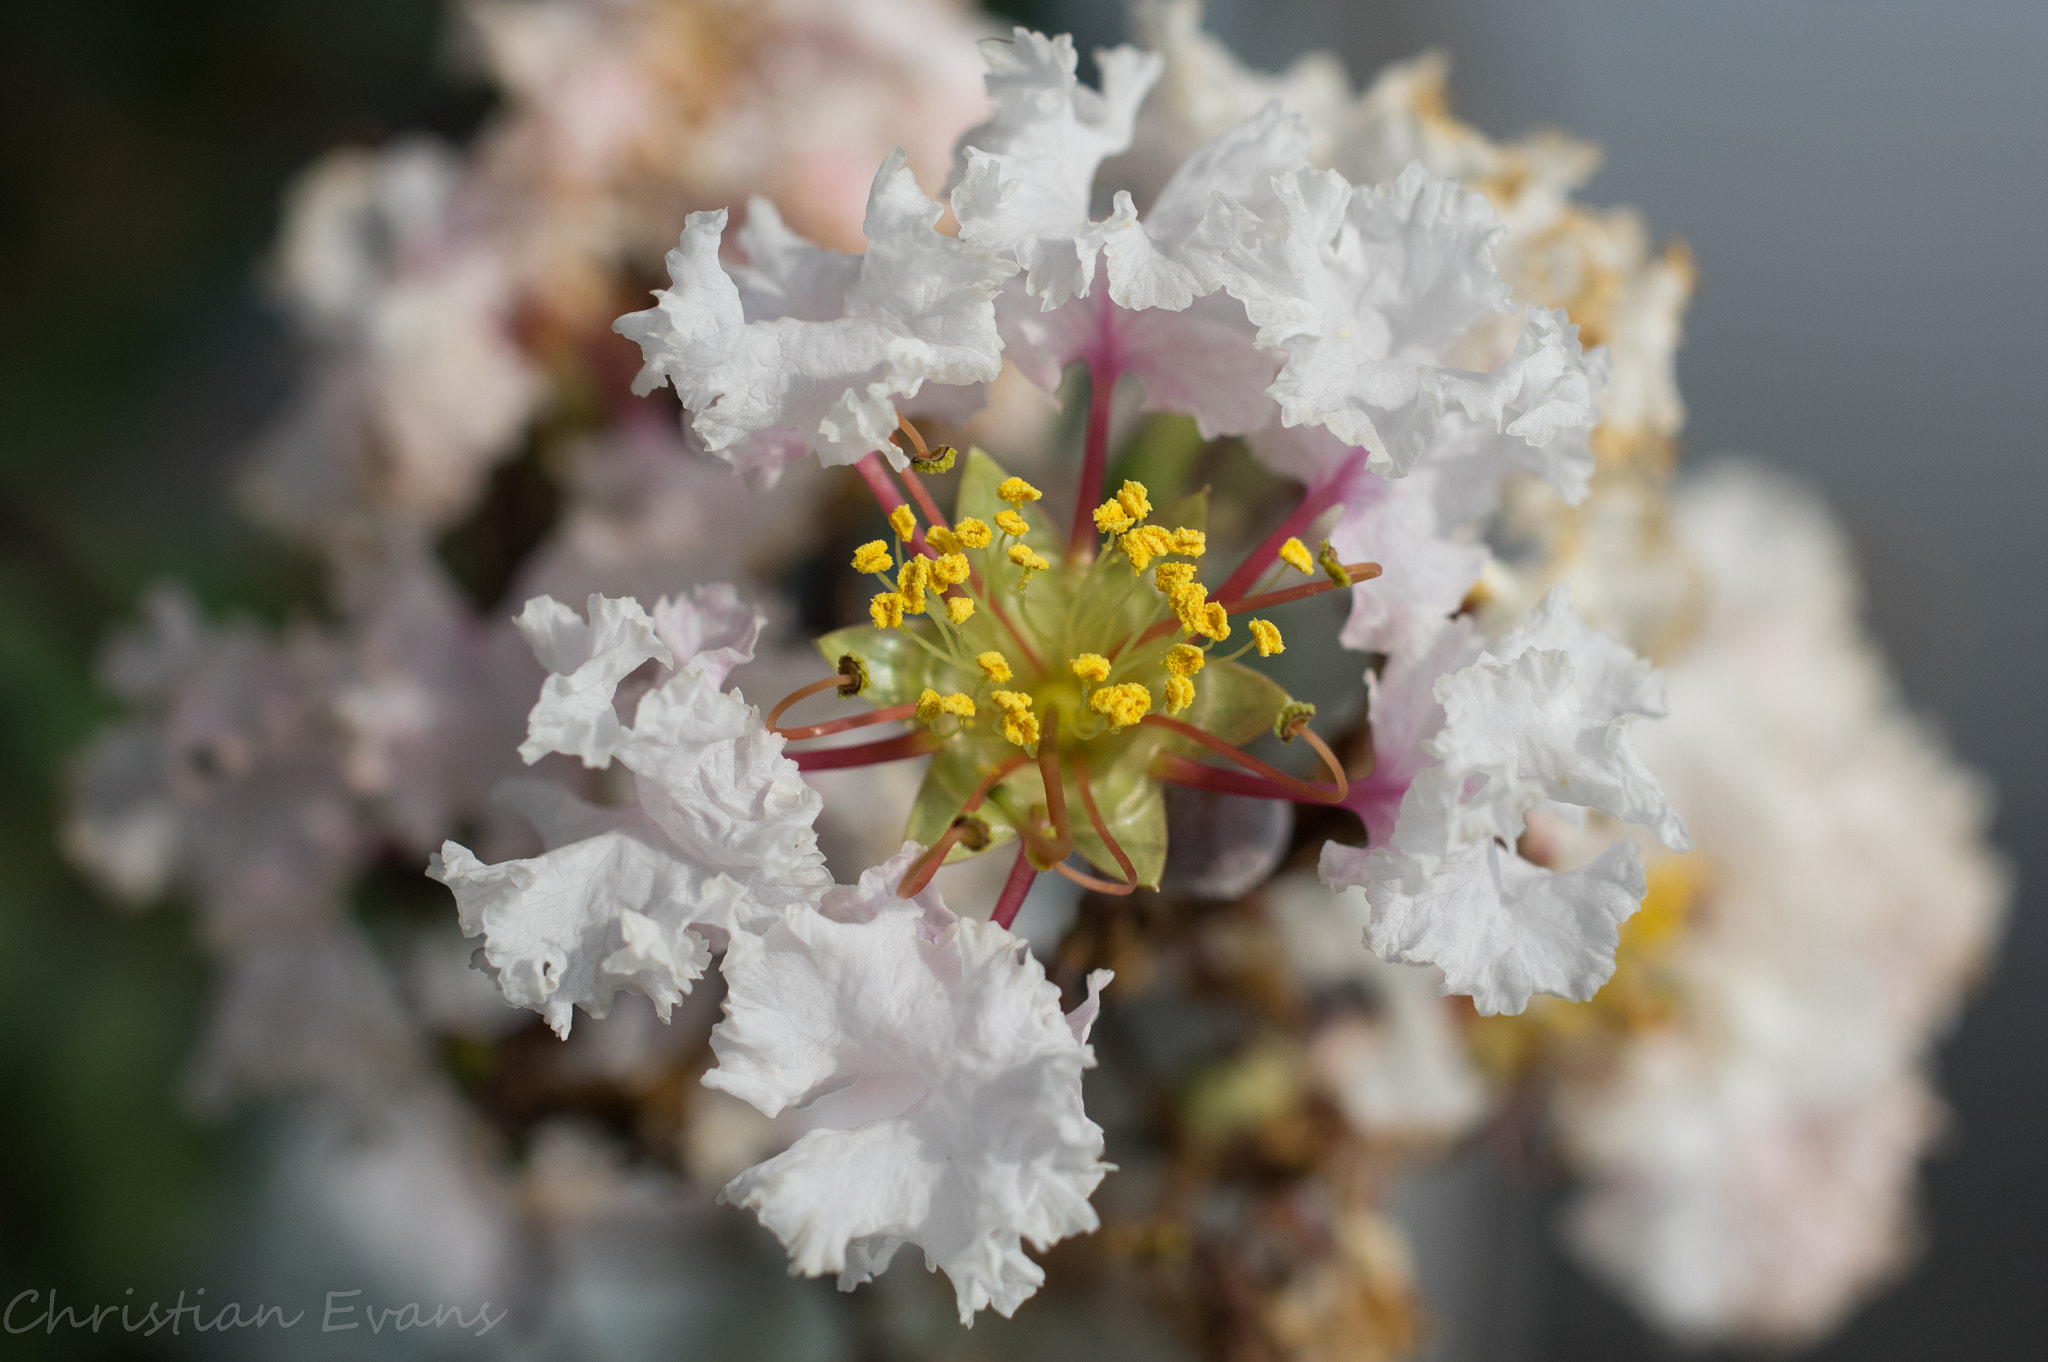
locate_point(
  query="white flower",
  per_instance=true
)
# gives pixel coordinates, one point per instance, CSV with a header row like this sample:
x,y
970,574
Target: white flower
x,y
1026,175
830,343
960,1081
720,839
1548,723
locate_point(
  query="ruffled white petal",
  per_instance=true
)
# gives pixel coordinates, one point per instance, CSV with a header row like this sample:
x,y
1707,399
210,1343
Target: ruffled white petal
x,y
572,927
951,1027
586,660
711,629
1027,174
833,347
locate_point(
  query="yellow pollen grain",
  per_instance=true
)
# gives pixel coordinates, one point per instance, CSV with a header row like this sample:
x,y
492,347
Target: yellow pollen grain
x,y
950,569
1294,553
1016,491
1009,522
1171,577
973,533
1144,544
942,539
1193,543
1122,704
903,522
873,556
1112,518
1091,667
886,610
1135,499
1023,556
959,609
1266,635
1180,693
1185,659
996,668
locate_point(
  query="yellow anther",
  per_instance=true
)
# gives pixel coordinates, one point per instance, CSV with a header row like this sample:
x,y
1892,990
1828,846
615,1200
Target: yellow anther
x,y
1112,518
1267,636
1180,693
1010,701
1185,659
873,556
1193,543
1294,553
995,667
1023,556
958,704
1144,544
1187,602
1136,501
1009,522
1122,704
959,609
973,533
912,582
942,539
927,705
1016,491
903,522
886,610
950,569
1171,577
1215,622
1019,726
1091,667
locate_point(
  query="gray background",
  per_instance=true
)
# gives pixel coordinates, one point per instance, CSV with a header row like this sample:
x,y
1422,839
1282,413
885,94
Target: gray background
x,y
1864,183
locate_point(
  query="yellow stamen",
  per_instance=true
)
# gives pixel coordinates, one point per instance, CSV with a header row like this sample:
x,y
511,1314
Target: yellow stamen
x,y
943,539
950,570
996,668
1123,704
1185,659
1215,622
1294,553
1266,636
1171,577
886,610
1019,726
1023,556
911,584
1112,518
931,704
1010,701
1180,693
873,556
903,522
927,705
1091,667
1135,500
973,533
1186,602
1016,491
959,609
1144,544
1009,522
1193,543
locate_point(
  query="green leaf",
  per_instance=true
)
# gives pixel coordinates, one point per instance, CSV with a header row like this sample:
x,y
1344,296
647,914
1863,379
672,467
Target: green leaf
x,y
897,667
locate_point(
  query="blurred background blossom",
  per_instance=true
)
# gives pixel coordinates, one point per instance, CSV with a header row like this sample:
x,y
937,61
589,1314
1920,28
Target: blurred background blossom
x,y
456,202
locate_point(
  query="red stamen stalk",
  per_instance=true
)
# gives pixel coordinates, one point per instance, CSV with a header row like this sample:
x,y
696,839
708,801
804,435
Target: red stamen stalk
x,y
1318,499
1102,376
832,682
901,748
1123,860
893,714
1359,572
1022,874
927,865
1049,772
1249,762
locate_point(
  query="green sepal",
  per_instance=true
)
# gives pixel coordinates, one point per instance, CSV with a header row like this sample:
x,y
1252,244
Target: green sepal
x,y
897,668
1232,702
957,767
1133,807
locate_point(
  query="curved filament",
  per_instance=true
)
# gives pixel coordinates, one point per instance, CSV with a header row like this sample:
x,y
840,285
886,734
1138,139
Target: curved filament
x,y
927,865
1253,764
1022,874
869,753
832,682
1123,860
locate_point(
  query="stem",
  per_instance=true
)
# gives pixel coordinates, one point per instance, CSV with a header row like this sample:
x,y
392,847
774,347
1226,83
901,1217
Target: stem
x,y
1360,572
1250,763
876,474
1102,376
1318,499
1123,860
831,682
891,715
868,753
1014,889
928,864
